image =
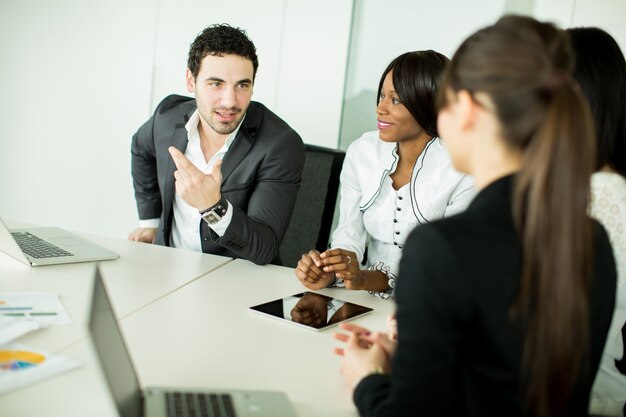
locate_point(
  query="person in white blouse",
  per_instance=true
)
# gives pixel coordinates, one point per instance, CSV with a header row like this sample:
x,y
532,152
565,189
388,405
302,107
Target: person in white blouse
x,y
600,70
392,180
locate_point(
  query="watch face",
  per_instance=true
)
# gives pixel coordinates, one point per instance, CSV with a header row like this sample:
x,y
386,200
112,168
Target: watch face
x,y
211,217
216,212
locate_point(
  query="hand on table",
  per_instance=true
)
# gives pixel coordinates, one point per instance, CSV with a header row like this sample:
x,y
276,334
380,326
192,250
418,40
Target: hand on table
x,y
143,234
345,265
310,274
196,188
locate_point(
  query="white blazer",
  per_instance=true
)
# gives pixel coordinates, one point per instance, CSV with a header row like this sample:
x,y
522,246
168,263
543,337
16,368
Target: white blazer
x,y
371,210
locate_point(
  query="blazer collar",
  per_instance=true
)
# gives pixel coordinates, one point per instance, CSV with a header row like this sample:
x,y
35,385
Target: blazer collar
x,y
236,153
179,141
243,141
495,197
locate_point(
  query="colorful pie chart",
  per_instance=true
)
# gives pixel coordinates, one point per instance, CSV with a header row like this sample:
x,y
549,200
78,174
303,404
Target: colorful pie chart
x,y
15,360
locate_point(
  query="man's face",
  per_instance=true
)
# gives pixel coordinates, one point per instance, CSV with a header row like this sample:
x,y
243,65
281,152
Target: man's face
x,y
223,89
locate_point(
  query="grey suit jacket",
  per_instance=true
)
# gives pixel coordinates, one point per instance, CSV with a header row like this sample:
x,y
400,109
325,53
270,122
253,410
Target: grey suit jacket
x,y
261,175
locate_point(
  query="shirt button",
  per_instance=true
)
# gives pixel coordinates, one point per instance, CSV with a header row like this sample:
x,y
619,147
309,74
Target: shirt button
x,y
395,220
205,239
397,233
399,197
399,209
395,243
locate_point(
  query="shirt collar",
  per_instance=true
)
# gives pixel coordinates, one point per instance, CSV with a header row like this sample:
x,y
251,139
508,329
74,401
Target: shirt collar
x,y
194,136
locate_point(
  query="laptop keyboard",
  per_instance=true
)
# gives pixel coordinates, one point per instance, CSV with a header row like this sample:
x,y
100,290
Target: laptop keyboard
x,y
184,404
36,247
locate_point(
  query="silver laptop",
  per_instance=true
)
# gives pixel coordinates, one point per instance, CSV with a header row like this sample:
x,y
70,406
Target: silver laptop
x,y
38,246
131,401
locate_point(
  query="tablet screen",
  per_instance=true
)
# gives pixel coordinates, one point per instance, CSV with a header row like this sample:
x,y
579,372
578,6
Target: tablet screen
x,y
312,310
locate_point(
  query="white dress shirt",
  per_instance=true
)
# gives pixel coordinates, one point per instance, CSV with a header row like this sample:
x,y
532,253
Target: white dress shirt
x,y
186,222
374,214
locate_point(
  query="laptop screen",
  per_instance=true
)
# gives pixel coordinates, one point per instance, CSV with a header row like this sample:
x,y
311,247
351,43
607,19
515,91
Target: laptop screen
x,y
112,353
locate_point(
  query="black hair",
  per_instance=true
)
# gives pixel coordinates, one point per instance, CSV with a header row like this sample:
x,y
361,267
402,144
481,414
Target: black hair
x,y
417,77
600,71
221,39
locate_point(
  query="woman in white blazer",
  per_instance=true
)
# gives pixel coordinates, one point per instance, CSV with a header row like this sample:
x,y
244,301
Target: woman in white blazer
x,y
393,179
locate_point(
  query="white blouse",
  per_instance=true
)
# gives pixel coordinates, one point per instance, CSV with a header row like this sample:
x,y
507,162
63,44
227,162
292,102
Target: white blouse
x,y
608,206
375,215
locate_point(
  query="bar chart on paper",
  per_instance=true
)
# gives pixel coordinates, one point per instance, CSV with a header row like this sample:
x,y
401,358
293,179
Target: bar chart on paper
x,y
45,308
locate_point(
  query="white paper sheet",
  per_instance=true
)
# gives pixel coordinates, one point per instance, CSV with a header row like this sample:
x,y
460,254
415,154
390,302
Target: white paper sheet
x,y
42,307
21,365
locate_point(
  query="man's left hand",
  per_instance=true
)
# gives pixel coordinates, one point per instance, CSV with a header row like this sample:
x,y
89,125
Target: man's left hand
x,y
196,188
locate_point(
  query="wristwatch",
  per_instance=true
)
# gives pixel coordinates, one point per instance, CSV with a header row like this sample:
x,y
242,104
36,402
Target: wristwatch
x,y
215,213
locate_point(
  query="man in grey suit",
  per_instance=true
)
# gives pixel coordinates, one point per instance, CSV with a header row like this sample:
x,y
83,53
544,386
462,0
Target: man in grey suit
x,y
218,174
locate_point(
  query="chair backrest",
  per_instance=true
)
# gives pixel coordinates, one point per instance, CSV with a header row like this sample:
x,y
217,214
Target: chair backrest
x,y
315,206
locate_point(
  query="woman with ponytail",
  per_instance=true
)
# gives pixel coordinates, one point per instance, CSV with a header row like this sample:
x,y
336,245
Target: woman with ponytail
x,y
503,310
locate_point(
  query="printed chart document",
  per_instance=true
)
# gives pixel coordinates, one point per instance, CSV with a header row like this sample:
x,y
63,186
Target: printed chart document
x,y
20,313
42,307
11,328
21,365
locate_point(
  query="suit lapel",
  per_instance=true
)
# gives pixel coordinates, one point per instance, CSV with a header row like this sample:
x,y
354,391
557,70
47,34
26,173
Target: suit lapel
x,y
179,141
242,143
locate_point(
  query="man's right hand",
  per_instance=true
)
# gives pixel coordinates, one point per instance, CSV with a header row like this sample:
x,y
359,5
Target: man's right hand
x,y
143,234
309,272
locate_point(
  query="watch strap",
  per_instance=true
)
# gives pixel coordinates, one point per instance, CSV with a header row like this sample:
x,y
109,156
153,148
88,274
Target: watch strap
x,y
215,213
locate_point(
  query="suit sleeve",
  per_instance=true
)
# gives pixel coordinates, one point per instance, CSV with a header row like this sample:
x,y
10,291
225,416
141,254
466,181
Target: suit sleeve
x,y
431,306
144,172
256,234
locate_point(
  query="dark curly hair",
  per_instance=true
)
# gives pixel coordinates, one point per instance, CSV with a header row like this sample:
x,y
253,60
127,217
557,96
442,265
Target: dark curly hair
x,y
221,39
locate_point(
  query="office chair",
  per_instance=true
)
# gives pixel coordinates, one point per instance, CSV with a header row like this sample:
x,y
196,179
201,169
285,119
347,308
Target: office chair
x,y
315,205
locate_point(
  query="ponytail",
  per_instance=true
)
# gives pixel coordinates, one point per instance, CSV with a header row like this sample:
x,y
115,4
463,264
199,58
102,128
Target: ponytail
x,y
524,67
550,211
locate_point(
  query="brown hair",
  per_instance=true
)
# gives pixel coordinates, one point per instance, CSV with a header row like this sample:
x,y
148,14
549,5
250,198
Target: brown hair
x,y
524,67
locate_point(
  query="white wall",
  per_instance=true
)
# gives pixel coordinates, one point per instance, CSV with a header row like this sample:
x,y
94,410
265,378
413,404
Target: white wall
x,y
609,15
75,83
78,77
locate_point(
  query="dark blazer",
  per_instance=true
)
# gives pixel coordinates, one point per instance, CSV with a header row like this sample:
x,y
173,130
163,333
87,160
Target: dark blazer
x,y
458,352
261,175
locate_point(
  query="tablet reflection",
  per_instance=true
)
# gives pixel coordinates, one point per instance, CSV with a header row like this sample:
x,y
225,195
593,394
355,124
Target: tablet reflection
x,y
319,311
312,310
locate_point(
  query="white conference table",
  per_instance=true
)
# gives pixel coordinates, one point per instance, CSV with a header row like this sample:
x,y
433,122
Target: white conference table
x,y
204,335
143,274
184,328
